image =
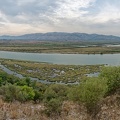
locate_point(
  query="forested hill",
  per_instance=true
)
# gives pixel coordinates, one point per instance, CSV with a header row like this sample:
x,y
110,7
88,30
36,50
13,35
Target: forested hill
x,y
62,36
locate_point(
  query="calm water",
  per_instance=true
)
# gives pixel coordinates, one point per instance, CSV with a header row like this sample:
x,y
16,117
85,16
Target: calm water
x,y
66,59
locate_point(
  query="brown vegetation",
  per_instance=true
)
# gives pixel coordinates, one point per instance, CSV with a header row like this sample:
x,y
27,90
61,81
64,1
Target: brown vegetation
x,y
65,48
110,110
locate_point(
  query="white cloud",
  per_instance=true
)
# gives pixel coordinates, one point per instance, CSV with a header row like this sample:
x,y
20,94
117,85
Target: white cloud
x,y
107,13
16,29
24,16
72,8
3,17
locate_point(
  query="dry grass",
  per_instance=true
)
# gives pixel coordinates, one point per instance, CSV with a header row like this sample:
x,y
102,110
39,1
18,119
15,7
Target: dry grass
x,y
110,110
65,49
17,110
30,111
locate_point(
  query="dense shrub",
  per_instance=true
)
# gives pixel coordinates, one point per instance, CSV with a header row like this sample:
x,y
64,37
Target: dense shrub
x,y
3,78
27,93
20,93
53,106
38,96
112,75
56,91
90,93
54,96
10,92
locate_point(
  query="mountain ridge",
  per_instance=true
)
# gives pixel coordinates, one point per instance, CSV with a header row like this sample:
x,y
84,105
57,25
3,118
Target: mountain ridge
x,y
61,36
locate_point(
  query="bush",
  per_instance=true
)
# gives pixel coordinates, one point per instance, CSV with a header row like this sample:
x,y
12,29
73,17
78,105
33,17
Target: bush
x,y
10,92
38,96
20,93
112,75
26,93
56,91
90,93
53,106
53,98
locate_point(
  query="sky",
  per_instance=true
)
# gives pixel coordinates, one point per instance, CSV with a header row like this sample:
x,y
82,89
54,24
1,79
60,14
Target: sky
x,y
19,17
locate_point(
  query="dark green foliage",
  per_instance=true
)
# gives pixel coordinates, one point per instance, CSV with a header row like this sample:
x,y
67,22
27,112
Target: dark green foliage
x,y
28,81
56,91
112,75
3,78
53,106
21,82
10,92
53,98
13,92
38,96
90,93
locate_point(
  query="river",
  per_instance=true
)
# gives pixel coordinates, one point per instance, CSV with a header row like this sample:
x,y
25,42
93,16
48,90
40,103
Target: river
x,y
66,59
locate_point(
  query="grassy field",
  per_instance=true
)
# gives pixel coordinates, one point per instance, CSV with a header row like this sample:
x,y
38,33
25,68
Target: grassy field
x,y
51,72
59,47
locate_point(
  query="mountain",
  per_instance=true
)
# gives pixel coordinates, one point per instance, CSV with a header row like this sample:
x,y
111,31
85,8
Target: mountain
x,y
62,36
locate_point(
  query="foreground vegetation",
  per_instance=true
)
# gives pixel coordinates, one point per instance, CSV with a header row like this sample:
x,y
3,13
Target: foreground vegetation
x,y
89,93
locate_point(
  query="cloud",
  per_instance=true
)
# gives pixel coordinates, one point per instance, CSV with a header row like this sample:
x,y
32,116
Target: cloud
x,y
107,13
91,16
72,8
3,17
24,2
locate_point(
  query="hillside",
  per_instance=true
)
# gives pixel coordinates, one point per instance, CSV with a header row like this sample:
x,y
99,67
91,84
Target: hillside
x,y
95,98
70,111
62,36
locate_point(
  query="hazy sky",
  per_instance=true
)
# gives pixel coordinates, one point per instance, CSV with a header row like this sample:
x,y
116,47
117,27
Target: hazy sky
x,y
31,16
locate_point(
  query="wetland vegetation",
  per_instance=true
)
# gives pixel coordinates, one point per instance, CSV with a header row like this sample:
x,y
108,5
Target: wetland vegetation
x,y
51,72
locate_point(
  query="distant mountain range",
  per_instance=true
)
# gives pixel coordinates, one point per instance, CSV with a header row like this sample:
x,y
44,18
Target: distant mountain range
x,y
62,36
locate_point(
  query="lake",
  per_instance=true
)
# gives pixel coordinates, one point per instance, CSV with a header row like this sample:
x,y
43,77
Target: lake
x,y
66,59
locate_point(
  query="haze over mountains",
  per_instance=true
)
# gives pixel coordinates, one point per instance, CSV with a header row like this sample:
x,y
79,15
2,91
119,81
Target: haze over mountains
x,y
62,36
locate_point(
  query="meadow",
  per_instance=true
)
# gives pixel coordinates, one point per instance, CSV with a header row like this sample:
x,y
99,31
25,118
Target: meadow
x,y
59,47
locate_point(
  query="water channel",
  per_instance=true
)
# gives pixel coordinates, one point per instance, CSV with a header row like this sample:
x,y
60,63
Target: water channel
x,y
34,79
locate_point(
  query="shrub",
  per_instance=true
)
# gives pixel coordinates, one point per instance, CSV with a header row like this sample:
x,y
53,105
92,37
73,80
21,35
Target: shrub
x,y
112,75
90,93
53,98
27,93
10,92
38,96
20,93
53,106
56,91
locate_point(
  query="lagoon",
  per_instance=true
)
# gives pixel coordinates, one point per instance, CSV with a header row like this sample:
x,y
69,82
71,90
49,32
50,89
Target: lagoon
x,y
65,59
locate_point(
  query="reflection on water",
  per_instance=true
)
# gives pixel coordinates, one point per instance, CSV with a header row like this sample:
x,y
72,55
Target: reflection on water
x,y
96,74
